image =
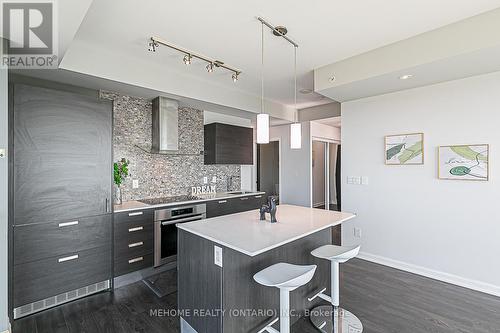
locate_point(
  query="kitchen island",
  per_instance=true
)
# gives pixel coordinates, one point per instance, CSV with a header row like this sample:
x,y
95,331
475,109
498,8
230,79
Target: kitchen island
x,y
218,257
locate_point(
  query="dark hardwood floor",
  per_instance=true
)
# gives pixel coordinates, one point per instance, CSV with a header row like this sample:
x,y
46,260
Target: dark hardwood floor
x,y
385,300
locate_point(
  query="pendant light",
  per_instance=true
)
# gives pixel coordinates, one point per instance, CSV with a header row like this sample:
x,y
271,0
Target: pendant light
x,y
296,127
262,118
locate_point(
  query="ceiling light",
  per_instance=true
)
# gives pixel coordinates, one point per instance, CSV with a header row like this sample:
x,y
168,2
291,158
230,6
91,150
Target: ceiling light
x,y
235,77
262,118
296,136
152,46
406,77
155,42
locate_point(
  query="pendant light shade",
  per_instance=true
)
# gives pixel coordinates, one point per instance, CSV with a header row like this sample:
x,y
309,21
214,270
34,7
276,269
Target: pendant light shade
x,y
296,136
263,128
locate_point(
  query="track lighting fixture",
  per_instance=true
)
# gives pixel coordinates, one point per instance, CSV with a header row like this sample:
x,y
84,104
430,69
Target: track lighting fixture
x,y
155,42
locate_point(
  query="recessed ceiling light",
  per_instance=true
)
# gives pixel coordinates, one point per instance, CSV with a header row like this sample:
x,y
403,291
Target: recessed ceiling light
x,y
406,77
305,91
331,78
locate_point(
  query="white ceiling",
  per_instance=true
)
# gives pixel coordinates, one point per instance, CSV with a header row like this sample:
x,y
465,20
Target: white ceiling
x,y
327,31
333,121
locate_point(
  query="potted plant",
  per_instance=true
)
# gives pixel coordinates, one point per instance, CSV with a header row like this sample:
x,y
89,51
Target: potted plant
x,y
120,172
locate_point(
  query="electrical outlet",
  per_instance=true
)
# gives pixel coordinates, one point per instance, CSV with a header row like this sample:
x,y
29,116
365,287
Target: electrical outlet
x,y
364,180
357,232
205,180
218,256
214,179
135,183
2,152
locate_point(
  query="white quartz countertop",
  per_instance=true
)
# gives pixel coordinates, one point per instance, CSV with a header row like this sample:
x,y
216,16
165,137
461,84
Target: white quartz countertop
x,y
245,233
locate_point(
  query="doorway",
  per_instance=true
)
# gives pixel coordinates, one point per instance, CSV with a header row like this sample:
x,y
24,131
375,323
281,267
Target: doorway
x,y
268,168
326,173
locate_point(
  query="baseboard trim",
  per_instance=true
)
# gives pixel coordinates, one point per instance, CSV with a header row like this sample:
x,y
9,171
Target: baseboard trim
x,y
433,274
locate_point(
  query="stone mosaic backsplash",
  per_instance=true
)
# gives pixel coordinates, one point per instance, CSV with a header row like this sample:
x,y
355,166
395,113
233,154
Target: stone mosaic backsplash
x,y
162,175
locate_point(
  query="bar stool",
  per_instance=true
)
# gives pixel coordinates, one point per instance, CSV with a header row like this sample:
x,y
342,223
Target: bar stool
x,y
285,277
332,318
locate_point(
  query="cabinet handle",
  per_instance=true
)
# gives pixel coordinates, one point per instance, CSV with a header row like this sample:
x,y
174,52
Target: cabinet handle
x,y
135,214
245,198
258,196
131,261
136,244
222,201
67,224
68,258
135,229
107,205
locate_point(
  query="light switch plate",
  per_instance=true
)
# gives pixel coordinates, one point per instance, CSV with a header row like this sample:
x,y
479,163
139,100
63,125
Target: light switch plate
x,y
214,179
218,255
357,232
364,180
2,152
205,180
135,183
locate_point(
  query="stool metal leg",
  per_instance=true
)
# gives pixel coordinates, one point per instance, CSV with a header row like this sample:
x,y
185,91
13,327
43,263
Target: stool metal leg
x,y
335,277
284,311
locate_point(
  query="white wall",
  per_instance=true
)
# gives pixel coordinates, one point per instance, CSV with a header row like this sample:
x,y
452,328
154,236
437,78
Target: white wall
x,y
4,322
448,230
295,177
322,131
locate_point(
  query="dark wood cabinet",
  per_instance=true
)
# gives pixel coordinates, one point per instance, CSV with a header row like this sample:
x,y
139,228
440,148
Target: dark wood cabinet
x,y
133,234
61,195
228,144
234,205
62,155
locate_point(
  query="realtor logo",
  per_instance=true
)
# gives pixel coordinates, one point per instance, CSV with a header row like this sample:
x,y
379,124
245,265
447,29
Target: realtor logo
x,y
29,28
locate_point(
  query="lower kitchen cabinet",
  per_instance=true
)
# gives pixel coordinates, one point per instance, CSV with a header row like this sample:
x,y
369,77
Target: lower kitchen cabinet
x,y
42,279
234,205
133,245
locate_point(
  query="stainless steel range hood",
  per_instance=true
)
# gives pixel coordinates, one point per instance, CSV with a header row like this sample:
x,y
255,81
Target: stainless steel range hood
x,y
165,133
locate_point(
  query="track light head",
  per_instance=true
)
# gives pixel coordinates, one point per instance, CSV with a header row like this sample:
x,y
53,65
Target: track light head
x,y
235,77
210,67
152,46
187,59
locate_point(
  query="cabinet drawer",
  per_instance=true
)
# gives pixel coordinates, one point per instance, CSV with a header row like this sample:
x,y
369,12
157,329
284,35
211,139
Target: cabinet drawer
x,y
133,246
221,207
133,222
132,264
39,241
48,277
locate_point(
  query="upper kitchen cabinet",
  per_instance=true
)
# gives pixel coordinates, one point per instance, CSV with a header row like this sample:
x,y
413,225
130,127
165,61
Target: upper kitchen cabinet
x,y
228,144
62,155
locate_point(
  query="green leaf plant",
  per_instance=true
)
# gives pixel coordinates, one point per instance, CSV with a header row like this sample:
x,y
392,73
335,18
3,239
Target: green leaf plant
x,y
120,171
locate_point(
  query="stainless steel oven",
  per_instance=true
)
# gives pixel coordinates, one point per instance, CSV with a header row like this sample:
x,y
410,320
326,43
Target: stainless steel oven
x,y
165,242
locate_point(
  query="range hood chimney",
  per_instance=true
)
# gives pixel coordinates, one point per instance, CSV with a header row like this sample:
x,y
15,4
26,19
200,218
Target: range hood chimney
x,y
165,133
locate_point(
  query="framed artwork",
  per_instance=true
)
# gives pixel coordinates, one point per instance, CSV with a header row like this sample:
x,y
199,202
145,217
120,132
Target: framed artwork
x,y
404,149
464,162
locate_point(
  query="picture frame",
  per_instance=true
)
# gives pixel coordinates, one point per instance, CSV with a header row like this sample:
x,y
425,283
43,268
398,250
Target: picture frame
x,y
464,162
404,149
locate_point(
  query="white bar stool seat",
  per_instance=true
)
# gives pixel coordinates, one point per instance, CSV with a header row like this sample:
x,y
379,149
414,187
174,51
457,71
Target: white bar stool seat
x,y
333,318
286,277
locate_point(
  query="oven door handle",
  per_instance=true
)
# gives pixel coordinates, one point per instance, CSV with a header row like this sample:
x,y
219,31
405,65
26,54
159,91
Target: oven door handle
x,y
187,219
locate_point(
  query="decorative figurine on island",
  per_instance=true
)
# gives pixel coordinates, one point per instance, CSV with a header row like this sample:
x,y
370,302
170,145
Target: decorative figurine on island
x,y
270,208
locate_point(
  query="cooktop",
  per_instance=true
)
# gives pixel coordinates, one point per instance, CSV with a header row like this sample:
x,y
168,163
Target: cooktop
x,y
167,200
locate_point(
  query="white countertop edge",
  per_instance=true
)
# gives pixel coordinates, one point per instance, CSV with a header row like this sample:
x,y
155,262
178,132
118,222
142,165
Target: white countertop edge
x,y
229,196
256,253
